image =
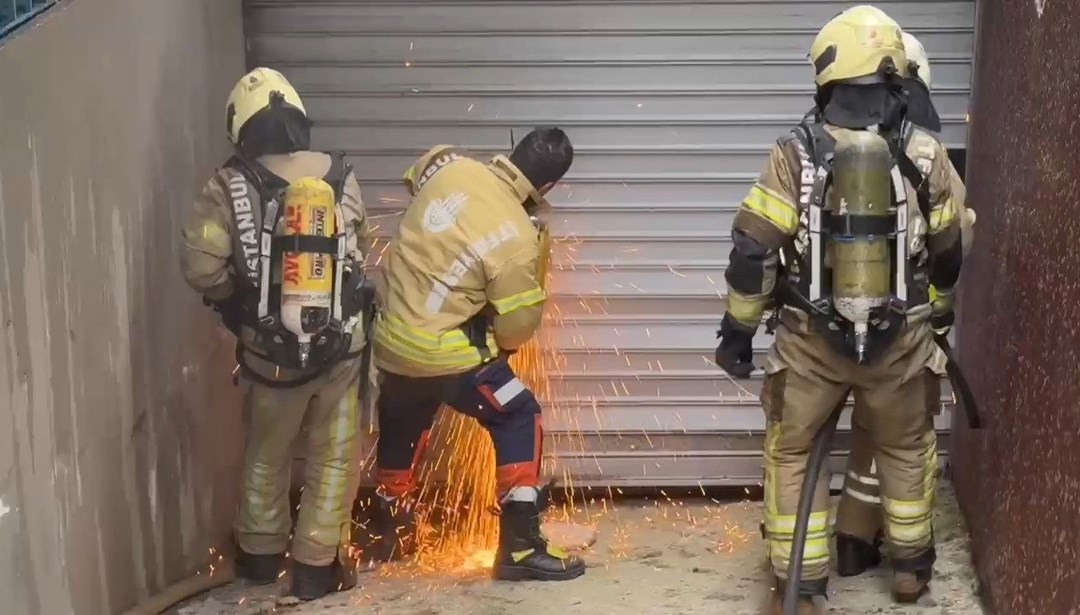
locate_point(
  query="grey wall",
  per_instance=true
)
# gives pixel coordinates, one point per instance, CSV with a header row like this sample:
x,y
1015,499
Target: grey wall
x,y
119,427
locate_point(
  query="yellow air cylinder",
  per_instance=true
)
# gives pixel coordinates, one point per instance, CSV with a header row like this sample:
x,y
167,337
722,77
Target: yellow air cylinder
x,y
861,263
307,279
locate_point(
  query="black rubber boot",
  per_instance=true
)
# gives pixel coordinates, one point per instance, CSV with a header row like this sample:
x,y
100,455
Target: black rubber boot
x,y
258,569
908,587
313,582
394,530
806,605
808,591
524,553
855,556
911,577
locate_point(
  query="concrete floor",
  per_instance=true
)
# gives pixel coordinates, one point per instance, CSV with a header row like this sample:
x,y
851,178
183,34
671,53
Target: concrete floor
x,y
690,557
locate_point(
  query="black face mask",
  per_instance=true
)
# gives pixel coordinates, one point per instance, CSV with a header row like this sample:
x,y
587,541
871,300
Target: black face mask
x,y
860,106
921,111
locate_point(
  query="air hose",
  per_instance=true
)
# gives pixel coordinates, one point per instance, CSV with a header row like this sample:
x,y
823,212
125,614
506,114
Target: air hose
x,y
819,452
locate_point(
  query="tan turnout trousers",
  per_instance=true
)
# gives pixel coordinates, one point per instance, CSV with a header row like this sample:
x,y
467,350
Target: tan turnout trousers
x,y
896,397
859,513
326,411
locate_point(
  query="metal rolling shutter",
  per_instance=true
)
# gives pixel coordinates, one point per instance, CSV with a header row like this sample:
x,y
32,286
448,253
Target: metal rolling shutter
x,y
671,107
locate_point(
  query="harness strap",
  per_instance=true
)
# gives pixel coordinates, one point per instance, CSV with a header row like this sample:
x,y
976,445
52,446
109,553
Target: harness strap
x,y
911,172
266,242
314,244
848,225
296,382
264,180
818,144
336,175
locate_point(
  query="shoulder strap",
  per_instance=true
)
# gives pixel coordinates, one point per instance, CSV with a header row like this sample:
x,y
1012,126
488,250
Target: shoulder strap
x,y
816,147
816,140
264,180
909,170
818,144
339,171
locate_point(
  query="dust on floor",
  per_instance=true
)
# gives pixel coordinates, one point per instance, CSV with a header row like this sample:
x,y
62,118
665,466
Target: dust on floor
x,y
652,557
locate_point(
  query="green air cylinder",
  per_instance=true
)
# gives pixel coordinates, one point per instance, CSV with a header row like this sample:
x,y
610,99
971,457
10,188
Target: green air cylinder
x,y
860,259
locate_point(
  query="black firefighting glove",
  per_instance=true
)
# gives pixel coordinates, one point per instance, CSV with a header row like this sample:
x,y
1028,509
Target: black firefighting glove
x,y
735,353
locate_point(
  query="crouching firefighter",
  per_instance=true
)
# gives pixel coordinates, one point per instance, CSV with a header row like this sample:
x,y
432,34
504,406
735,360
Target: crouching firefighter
x,y
859,518
844,235
459,291
274,243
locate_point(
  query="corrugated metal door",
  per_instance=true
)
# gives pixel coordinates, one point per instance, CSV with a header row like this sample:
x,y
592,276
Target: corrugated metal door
x,y
671,107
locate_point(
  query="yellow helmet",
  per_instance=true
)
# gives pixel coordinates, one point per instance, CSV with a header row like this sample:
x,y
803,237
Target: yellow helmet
x,y
858,46
252,93
916,54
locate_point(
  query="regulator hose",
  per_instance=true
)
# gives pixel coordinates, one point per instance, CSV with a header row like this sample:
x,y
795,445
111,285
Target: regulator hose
x,y
819,452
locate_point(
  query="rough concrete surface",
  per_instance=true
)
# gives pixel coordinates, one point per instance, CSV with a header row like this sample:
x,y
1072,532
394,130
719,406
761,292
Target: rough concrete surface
x,y
119,427
652,557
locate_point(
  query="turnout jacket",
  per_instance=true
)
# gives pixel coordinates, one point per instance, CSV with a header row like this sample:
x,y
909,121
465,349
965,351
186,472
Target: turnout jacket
x,y
459,281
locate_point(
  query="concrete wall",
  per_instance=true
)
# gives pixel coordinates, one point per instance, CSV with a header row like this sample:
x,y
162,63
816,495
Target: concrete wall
x,y
119,425
1019,478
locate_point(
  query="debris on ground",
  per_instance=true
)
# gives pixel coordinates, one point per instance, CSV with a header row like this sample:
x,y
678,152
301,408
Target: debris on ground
x,y
650,558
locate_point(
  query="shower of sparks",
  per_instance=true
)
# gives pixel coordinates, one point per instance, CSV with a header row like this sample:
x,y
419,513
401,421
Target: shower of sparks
x,y
457,519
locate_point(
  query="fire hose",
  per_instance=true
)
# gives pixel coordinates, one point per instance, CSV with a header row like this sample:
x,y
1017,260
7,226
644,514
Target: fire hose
x,y
819,452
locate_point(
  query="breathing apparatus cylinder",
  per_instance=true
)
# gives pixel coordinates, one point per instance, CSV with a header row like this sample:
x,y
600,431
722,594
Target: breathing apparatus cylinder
x,y
861,261
307,279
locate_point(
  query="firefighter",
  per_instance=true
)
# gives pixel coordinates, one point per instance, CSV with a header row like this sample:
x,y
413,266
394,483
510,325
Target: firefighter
x,y
922,113
844,235
859,522
458,292
275,243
